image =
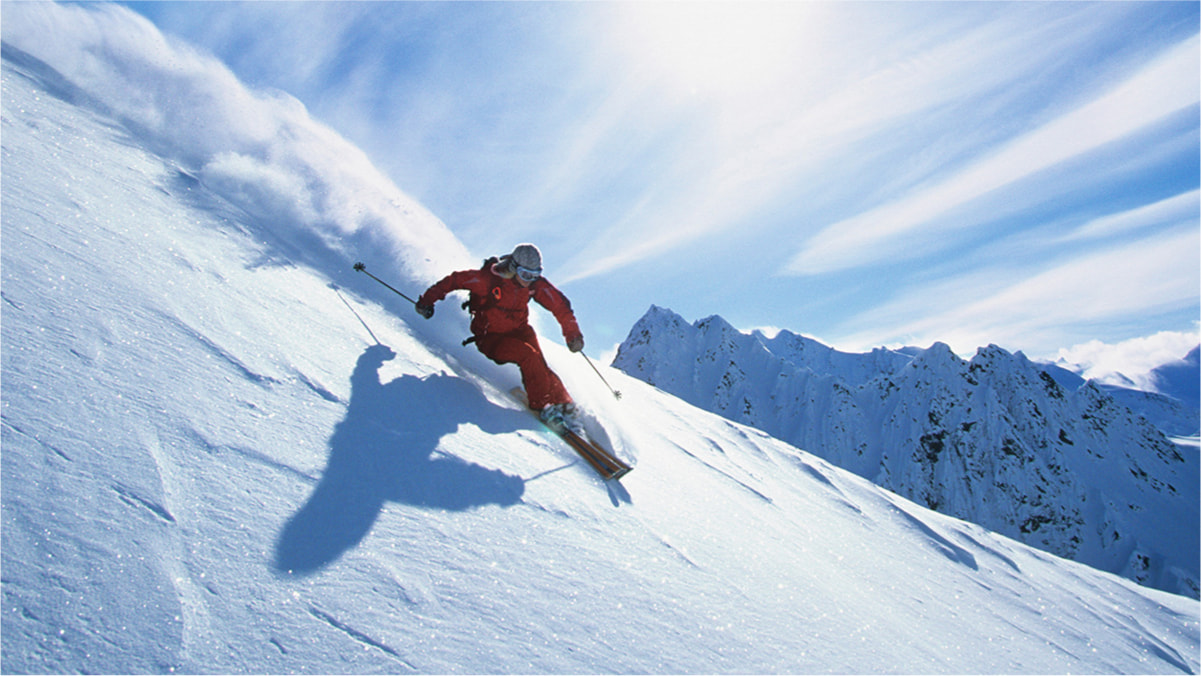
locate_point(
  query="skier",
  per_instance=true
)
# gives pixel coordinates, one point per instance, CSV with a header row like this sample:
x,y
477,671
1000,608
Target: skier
x,y
499,304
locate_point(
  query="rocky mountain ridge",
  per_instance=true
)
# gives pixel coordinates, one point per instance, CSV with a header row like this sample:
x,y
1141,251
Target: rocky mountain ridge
x,y
998,439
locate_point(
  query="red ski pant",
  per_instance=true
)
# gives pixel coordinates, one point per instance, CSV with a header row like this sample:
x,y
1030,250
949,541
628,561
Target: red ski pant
x,y
542,386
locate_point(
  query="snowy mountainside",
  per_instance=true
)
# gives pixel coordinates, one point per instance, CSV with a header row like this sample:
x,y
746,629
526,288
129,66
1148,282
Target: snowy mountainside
x,y
995,440
1174,406
226,452
1181,379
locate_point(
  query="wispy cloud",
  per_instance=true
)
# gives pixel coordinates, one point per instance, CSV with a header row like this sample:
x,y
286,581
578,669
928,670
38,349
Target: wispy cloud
x,y
755,141
1183,208
855,134
1042,306
1166,86
786,139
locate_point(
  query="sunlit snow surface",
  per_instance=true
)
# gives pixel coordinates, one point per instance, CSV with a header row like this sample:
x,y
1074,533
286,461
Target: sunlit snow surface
x,y
210,464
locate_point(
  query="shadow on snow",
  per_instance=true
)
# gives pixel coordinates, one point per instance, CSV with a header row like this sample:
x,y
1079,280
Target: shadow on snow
x,y
385,450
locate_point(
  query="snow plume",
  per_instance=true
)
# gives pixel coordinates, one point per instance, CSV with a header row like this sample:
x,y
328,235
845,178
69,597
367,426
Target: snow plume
x,y
259,150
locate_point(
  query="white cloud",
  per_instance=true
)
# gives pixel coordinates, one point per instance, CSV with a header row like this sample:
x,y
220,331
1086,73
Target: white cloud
x,y
754,145
1165,86
775,140
1046,307
1185,207
1131,360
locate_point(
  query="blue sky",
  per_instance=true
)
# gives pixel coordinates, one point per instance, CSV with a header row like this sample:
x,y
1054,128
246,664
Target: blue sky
x,y
1024,174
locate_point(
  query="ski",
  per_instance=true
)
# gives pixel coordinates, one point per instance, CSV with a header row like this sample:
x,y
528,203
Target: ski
x,y
607,465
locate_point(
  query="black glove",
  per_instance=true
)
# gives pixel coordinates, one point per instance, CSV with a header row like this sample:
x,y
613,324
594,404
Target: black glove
x,y
426,311
576,344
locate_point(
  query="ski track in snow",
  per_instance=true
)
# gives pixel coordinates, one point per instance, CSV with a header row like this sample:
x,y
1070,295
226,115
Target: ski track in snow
x,y
358,635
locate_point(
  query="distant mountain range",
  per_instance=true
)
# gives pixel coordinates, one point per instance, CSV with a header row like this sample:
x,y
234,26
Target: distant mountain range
x,y
1030,450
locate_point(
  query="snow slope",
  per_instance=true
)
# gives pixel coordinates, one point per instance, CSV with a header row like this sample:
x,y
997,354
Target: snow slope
x,y
226,452
1179,378
996,440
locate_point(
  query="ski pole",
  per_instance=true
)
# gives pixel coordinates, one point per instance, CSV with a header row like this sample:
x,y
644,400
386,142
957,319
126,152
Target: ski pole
x,y
616,394
363,268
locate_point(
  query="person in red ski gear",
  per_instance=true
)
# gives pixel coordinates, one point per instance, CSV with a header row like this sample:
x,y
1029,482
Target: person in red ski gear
x,y
499,305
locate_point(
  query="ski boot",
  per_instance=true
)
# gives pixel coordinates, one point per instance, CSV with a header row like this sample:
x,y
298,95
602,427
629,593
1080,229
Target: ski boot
x,y
562,417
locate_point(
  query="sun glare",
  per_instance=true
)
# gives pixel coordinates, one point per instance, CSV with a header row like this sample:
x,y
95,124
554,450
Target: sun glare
x,y
715,48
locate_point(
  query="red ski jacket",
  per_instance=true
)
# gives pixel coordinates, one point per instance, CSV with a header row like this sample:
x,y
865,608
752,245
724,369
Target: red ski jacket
x,y
500,305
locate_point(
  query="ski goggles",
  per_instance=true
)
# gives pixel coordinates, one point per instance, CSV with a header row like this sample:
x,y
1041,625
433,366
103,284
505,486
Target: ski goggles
x,y
528,274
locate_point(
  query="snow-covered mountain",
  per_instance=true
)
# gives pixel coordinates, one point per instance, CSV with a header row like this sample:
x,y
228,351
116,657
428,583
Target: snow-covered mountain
x,y
223,451
997,440
1181,379
1174,405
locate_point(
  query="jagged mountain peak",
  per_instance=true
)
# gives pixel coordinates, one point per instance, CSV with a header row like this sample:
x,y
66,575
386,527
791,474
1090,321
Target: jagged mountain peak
x,y
1020,447
938,356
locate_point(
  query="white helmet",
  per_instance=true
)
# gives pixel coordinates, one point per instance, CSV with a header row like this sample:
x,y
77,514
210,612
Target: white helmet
x,y
527,256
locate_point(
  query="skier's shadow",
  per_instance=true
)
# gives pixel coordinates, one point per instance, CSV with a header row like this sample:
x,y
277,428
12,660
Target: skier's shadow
x,y
386,450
